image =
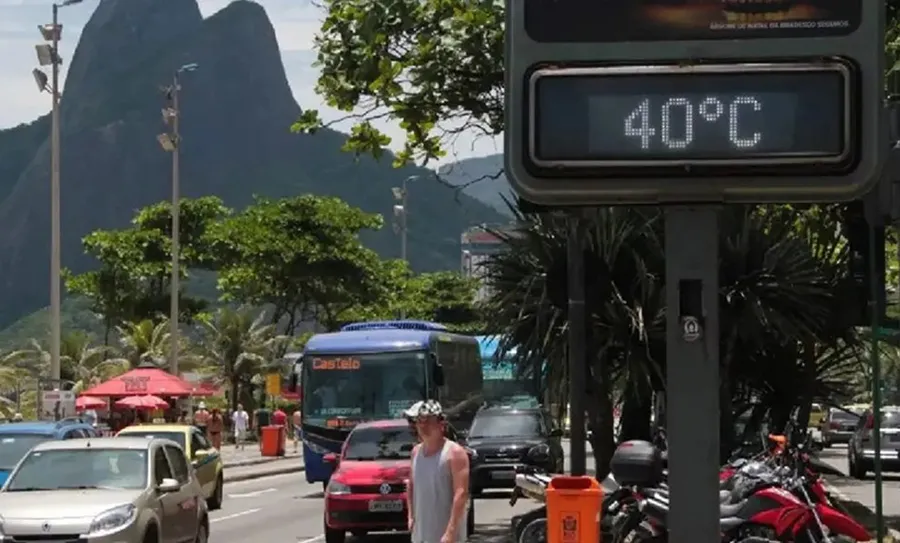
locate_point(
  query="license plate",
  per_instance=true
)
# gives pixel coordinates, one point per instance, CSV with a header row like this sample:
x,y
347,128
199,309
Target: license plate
x,y
503,475
386,506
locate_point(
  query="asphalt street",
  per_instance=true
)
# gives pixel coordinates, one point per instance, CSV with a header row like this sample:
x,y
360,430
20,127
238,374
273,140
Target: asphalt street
x,y
285,508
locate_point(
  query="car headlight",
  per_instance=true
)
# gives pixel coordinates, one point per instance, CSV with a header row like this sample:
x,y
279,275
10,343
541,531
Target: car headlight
x,y
539,451
113,520
337,488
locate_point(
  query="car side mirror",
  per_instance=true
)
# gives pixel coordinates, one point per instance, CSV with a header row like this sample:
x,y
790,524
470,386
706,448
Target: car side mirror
x,y
556,432
168,486
331,459
199,457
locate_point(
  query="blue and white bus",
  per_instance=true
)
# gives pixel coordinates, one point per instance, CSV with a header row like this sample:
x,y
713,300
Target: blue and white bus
x,y
376,370
503,382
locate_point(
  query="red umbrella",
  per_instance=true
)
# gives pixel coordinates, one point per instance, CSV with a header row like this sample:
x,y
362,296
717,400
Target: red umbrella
x,y
141,381
148,402
87,402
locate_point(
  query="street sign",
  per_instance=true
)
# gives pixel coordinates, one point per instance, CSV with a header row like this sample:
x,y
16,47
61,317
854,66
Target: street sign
x,y
57,404
664,101
273,384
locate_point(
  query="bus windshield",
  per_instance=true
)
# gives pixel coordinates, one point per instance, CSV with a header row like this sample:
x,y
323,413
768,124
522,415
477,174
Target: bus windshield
x,y
361,386
502,382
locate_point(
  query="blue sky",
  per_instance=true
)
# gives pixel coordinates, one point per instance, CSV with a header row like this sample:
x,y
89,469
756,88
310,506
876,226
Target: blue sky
x,y
295,22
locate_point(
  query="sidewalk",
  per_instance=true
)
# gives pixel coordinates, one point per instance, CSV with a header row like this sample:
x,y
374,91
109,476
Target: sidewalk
x,y
250,455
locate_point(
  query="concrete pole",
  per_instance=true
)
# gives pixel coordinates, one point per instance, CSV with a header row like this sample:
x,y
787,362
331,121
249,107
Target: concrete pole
x,y
55,259
176,225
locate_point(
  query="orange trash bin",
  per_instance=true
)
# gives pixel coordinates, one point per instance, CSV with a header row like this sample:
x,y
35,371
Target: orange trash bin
x,y
573,509
270,440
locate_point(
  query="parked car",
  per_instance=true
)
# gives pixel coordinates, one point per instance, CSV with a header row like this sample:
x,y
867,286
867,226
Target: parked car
x,y
860,449
17,438
838,426
203,457
104,490
507,437
367,491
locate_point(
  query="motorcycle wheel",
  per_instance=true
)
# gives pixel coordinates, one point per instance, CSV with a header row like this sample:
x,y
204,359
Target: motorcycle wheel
x,y
534,532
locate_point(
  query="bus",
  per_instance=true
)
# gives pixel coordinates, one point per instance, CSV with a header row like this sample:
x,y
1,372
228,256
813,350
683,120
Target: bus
x,y
503,382
376,370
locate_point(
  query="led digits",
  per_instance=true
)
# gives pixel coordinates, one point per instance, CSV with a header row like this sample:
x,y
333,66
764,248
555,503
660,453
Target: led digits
x,y
638,123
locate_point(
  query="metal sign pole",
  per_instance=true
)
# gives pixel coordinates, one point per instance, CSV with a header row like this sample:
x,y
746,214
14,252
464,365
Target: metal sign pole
x,y
692,376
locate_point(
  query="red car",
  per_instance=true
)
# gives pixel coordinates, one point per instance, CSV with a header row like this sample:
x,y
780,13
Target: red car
x,y
367,491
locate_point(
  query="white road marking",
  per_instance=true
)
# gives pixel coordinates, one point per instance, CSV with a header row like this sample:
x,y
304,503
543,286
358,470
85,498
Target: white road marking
x,y
235,515
313,539
253,494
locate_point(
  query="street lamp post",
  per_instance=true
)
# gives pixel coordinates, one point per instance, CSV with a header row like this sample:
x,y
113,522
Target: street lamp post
x,y
401,197
171,141
48,55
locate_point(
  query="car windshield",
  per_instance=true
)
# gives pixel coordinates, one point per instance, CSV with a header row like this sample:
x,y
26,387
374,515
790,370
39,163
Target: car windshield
x,y
395,443
843,416
505,425
372,386
14,447
66,469
177,437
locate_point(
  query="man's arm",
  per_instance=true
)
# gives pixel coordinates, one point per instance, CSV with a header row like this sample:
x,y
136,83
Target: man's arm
x,y
459,467
410,512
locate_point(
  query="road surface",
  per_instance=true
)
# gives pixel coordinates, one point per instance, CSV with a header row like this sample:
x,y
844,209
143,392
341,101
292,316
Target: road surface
x,y
864,491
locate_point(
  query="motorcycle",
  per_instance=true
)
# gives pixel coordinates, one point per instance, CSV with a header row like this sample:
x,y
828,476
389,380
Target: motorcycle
x,y
779,498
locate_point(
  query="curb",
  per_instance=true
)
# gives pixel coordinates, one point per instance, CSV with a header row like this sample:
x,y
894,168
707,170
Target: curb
x,y
284,470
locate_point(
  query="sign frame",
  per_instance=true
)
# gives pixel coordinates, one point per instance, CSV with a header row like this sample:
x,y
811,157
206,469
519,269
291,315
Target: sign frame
x,y
570,188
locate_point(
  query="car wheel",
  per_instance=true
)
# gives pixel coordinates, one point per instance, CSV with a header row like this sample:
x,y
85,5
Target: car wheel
x,y
534,532
202,533
335,536
857,469
215,502
152,535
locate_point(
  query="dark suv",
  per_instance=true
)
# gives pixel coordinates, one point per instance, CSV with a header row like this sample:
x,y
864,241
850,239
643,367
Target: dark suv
x,y
507,437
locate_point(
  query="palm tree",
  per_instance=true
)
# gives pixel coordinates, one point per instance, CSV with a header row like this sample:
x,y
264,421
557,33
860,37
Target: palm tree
x,y
237,344
782,283
89,364
145,342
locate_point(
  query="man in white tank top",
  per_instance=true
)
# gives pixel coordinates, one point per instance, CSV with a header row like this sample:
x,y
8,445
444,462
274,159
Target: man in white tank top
x,y
438,487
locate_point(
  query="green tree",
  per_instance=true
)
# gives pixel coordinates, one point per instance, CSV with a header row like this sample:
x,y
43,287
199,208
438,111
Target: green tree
x,y
145,343
235,345
132,282
302,256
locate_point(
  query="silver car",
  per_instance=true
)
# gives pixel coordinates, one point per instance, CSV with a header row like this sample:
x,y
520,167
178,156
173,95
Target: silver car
x,y
861,448
838,426
104,490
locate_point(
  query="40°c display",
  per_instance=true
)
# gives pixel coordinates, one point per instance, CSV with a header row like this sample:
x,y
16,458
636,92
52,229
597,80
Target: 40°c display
x,y
651,116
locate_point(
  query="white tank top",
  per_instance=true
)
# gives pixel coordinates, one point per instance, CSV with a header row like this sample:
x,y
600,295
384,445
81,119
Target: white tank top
x,y
432,481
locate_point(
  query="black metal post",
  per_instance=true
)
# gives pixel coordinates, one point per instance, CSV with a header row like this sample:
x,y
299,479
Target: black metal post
x,y
577,348
692,379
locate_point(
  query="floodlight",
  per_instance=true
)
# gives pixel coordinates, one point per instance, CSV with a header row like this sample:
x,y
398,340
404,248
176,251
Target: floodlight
x,y
51,32
398,193
189,67
45,54
40,78
168,114
69,2
165,141
398,211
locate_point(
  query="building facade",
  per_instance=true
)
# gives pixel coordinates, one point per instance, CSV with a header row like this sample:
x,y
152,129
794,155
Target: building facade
x,y
478,244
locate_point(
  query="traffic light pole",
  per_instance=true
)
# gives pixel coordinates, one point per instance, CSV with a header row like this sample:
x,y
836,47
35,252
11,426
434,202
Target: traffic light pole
x,y
692,374
577,348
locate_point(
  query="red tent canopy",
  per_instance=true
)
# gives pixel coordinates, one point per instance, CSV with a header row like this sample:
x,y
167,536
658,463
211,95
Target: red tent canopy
x,y
142,381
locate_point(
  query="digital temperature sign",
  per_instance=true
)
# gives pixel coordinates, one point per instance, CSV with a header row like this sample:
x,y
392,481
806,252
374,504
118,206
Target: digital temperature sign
x,y
638,117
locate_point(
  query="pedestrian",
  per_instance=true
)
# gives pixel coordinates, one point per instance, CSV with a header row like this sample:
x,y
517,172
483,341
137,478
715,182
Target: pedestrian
x,y
240,420
201,417
295,422
438,486
215,427
279,418
261,417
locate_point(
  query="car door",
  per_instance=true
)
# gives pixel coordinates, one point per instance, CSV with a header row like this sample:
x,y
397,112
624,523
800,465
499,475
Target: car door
x,y
181,472
172,515
205,468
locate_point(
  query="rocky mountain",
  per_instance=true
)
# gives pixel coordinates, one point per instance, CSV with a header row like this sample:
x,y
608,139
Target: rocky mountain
x,y
482,178
237,109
